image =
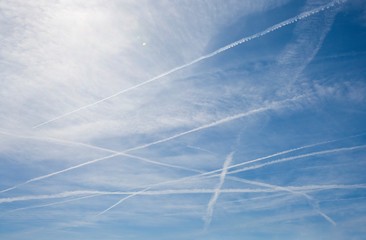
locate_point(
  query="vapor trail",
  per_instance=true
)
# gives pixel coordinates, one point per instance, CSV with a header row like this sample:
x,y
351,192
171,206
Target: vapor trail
x,y
270,106
215,196
295,157
54,203
67,142
178,192
200,149
59,172
233,166
168,165
210,173
310,200
212,54
273,105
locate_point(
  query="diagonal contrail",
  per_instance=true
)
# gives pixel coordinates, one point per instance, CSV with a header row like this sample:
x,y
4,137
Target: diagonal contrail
x,y
271,106
73,143
210,173
294,158
212,54
314,204
215,196
256,183
88,193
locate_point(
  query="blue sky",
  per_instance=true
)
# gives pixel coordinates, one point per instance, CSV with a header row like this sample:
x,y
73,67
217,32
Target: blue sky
x,y
182,119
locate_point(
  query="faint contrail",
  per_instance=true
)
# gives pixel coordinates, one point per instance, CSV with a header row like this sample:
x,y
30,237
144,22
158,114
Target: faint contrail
x,y
215,196
311,200
122,200
273,105
272,189
48,196
59,172
270,106
212,54
200,149
161,192
48,139
218,170
73,143
295,157
53,204
178,192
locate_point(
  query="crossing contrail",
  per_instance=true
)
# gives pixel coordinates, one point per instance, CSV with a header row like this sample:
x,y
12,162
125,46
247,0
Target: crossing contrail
x,y
310,200
296,157
212,54
178,192
73,143
54,203
271,106
212,173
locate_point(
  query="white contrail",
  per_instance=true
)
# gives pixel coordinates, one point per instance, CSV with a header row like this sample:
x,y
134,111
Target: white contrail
x,y
200,149
54,203
48,139
161,192
273,188
82,165
179,192
311,200
273,105
220,50
59,172
44,196
67,142
215,196
270,106
219,170
122,200
295,157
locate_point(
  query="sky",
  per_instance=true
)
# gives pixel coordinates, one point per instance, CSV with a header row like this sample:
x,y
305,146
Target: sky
x,y
210,119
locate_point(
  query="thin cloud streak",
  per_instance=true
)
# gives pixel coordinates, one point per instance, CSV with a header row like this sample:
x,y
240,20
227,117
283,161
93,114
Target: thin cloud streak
x,y
220,50
215,196
179,191
335,150
310,199
205,174
271,106
73,143
53,204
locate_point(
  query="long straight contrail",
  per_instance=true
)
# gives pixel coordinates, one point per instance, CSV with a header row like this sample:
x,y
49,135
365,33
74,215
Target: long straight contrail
x,y
54,203
73,143
310,200
212,173
59,172
212,54
179,192
49,139
273,105
296,157
215,196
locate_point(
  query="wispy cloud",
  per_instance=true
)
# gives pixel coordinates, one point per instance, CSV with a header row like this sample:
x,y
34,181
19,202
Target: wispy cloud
x,y
218,51
272,106
179,191
211,174
114,106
